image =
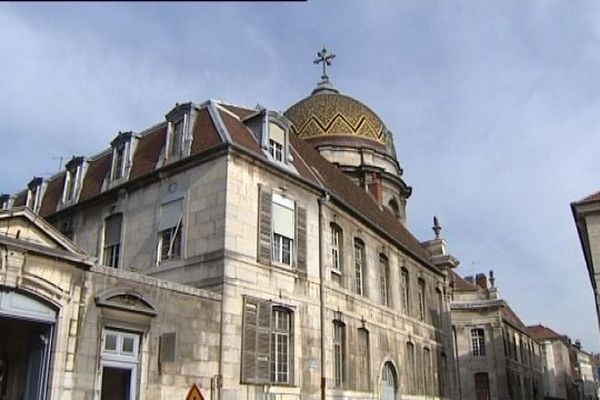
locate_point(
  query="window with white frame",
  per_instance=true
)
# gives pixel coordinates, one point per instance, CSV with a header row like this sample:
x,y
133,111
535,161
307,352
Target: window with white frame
x,y
70,180
170,230
119,364
478,341
176,138
339,353
276,142
112,240
280,345
336,248
359,266
118,162
283,213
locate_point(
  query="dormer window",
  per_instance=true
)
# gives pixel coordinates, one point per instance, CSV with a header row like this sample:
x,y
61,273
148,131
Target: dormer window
x,y
179,138
271,130
176,139
72,177
34,194
118,163
122,147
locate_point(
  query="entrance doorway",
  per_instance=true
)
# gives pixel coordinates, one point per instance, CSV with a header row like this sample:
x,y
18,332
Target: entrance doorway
x,y
26,333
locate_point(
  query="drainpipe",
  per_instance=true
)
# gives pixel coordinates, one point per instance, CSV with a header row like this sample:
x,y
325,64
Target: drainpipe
x,y
457,361
322,201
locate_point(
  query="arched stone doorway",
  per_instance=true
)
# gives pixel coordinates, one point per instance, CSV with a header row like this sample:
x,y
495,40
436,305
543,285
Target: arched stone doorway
x,y
389,382
26,336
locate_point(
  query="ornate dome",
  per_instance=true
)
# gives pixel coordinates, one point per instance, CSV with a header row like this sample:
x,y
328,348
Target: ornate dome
x,y
327,113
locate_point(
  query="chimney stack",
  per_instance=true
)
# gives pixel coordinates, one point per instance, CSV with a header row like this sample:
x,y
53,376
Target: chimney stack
x,y
481,281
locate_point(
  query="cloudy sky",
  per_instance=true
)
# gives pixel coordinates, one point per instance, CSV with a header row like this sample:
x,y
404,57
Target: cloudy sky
x,y
495,108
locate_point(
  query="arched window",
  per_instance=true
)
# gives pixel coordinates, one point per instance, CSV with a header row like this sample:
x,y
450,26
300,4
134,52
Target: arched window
x,y
393,205
388,382
440,307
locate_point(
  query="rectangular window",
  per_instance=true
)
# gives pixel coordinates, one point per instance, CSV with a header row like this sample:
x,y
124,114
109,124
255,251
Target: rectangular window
x,y
384,280
280,346
405,288
70,184
359,265
478,342
427,371
336,242
339,344
283,213
412,367
276,150
118,162
440,307
119,364
266,343
176,139
170,230
112,240
363,360
421,299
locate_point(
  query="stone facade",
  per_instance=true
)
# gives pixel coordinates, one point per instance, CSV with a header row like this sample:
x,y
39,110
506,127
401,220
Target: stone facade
x,y
496,356
246,262
42,271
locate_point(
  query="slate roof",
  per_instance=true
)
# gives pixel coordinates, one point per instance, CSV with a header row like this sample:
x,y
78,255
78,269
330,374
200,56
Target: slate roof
x,y
215,124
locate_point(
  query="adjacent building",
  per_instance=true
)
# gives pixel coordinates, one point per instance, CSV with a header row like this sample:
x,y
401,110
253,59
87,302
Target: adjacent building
x,y
496,355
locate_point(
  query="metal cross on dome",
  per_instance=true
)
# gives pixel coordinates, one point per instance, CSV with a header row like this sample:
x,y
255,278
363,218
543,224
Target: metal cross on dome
x,y
324,57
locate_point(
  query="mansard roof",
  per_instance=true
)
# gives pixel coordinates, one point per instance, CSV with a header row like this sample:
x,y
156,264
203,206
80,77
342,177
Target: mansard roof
x,y
218,124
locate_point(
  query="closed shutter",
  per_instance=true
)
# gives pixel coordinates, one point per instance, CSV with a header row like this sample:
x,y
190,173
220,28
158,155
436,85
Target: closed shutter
x,y
112,230
264,224
301,239
256,342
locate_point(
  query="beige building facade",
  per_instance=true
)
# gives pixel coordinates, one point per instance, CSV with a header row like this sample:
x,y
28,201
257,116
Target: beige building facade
x,y
266,266
496,356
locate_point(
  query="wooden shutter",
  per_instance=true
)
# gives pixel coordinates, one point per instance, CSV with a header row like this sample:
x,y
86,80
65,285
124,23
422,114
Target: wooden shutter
x,y
263,343
264,224
301,239
256,341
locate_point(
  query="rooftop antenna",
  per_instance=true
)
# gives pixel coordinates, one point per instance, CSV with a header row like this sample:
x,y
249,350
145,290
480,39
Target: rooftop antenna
x,y
60,161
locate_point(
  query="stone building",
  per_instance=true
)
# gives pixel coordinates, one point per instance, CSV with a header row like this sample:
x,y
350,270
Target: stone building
x,y
71,329
272,248
496,355
586,213
558,379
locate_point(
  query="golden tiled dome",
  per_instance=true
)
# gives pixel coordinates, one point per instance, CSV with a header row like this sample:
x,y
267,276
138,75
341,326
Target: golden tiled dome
x,y
329,113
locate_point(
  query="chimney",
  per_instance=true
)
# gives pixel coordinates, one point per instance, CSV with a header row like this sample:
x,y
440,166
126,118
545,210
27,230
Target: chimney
x,y
481,281
577,344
